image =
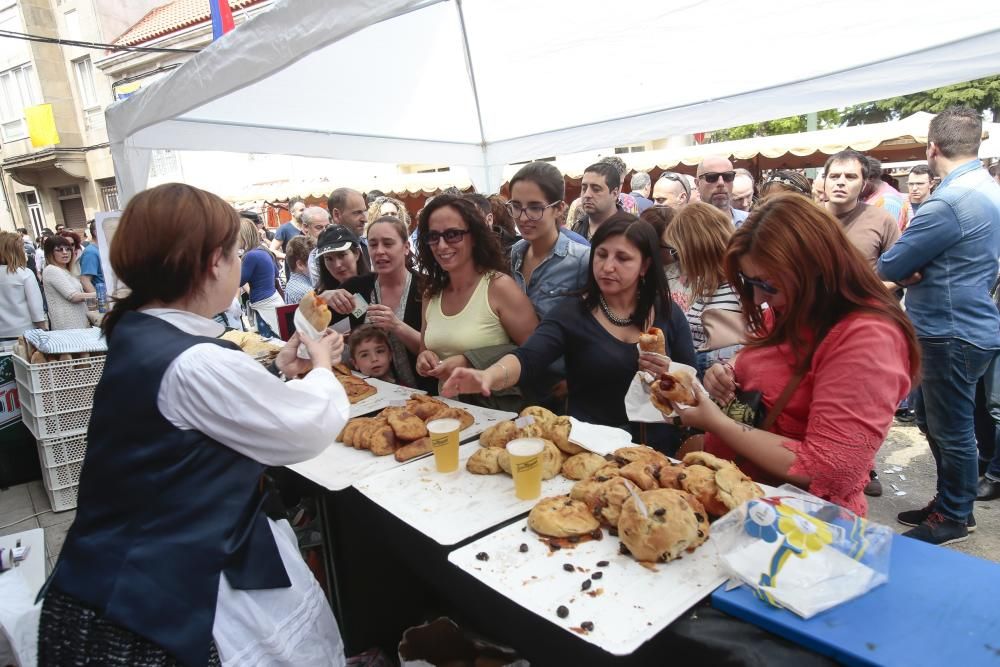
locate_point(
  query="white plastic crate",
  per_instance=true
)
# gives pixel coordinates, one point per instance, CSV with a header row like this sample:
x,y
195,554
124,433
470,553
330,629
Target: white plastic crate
x,y
60,451
46,403
61,425
62,499
58,374
61,477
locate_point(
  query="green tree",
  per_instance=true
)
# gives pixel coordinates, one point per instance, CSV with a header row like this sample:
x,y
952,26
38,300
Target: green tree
x,y
826,119
979,94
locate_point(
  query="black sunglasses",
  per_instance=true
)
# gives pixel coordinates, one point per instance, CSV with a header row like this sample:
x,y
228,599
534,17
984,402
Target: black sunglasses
x,y
713,176
452,236
762,285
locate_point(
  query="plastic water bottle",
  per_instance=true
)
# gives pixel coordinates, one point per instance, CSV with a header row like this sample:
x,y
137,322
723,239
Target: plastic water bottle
x,y
102,299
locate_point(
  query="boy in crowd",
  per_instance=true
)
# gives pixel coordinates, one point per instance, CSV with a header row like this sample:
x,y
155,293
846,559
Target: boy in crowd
x,y
371,354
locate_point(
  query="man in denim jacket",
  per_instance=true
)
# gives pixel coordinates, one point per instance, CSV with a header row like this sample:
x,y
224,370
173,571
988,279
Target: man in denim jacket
x,y
948,258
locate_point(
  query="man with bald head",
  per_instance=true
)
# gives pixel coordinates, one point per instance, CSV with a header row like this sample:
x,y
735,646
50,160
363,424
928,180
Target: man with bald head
x,y
742,190
671,190
715,185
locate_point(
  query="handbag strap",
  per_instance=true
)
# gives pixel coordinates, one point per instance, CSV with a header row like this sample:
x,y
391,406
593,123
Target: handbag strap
x,y
786,395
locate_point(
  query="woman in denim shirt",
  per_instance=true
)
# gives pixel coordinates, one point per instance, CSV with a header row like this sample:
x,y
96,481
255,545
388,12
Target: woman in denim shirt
x,y
547,265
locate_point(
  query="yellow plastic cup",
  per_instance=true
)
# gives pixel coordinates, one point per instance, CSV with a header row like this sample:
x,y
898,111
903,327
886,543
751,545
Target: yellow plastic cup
x,y
444,443
526,466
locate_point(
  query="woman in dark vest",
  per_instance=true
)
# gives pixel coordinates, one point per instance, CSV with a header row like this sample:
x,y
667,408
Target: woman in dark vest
x,y
171,559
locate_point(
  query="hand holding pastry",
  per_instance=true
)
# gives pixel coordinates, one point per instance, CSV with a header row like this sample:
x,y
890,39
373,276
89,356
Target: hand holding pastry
x,y
654,363
702,414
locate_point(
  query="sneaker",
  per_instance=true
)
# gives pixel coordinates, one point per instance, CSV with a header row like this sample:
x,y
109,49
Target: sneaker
x,y
917,517
906,416
874,486
939,530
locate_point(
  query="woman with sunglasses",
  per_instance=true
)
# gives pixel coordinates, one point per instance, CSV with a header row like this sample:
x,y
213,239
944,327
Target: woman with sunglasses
x,y
64,293
598,333
829,351
469,301
698,237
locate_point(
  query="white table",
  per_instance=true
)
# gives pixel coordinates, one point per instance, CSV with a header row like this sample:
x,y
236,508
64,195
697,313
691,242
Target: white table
x,y
18,588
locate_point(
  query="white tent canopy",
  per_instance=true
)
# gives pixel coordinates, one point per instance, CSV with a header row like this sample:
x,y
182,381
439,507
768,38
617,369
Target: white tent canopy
x,y
482,83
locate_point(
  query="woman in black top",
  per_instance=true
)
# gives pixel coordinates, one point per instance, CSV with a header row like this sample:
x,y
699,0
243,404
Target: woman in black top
x,y
393,293
625,295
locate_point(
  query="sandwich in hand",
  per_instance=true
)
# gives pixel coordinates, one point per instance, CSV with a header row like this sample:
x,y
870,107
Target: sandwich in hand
x,y
653,341
315,311
673,388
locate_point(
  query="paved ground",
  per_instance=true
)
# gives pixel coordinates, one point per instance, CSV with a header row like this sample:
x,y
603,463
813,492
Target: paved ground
x,y
905,448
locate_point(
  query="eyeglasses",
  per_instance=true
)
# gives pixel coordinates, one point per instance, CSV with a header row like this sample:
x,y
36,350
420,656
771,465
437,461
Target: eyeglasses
x,y
713,176
677,178
452,236
534,211
759,284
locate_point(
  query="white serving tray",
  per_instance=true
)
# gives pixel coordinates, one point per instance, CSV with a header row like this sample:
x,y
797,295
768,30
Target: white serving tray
x,y
635,603
451,507
339,466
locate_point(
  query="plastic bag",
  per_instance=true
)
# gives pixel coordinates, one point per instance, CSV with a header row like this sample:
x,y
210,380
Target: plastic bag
x,y
802,553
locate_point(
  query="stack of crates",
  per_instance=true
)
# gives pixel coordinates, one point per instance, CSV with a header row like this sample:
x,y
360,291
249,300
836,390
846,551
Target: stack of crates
x,y
56,401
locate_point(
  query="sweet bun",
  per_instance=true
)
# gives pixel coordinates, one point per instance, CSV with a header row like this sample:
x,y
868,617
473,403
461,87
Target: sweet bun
x,y
643,474
665,530
485,461
699,481
562,517
735,488
582,466
499,435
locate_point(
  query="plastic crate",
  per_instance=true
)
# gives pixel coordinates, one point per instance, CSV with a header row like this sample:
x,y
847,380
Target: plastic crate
x,y
58,374
46,403
62,499
61,425
60,451
61,477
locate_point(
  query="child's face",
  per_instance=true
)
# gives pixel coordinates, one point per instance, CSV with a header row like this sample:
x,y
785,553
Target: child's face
x,y
372,358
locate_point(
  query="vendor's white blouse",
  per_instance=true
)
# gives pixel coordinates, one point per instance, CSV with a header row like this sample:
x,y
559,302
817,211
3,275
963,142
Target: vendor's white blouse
x,y
229,397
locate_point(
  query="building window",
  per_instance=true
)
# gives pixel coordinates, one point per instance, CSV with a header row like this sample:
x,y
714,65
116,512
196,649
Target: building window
x,y
109,194
163,163
629,149
85,82
34,208
72,24
17,91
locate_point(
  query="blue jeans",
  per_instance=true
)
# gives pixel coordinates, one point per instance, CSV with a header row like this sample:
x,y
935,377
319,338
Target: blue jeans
x,y
952,368
992,381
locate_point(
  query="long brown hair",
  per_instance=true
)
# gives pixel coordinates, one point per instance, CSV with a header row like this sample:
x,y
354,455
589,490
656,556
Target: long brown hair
x,y
12,252
700,233
823,277
164,244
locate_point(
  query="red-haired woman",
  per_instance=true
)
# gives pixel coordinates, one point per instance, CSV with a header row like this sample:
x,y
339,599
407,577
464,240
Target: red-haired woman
x,y
171,558
824,332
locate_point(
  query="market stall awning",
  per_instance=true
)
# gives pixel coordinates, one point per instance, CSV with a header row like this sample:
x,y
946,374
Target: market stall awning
x,y
480,83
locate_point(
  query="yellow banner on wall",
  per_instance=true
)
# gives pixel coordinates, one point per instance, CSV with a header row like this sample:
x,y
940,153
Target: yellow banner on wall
x,y
41,125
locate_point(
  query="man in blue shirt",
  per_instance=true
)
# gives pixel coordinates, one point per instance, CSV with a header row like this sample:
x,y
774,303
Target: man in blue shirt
x,y
715,185
948,259
91,273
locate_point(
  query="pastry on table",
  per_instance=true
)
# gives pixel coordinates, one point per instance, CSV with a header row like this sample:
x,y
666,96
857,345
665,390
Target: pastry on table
x,y
363,439
562,517
485,461
424,406
637,453
382,441
666,530
707,460
499,435
540,414
354,426
607,471
406,425
558,432
341,368
582,466
669,475
587,491
414,449
644,474
699,481
610,498
735,487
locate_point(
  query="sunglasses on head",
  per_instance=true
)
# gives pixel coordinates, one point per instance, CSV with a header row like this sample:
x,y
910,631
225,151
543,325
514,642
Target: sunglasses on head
x,y
762,285
677,178
713,176
452,236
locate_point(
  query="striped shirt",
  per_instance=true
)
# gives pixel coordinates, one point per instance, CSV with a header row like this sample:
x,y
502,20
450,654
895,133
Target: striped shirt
x,y
723,299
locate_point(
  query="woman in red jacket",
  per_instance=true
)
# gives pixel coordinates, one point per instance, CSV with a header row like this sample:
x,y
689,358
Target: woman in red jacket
x,y
825,331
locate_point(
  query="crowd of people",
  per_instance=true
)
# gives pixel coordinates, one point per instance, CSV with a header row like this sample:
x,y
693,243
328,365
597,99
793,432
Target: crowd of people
x,y
815,312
